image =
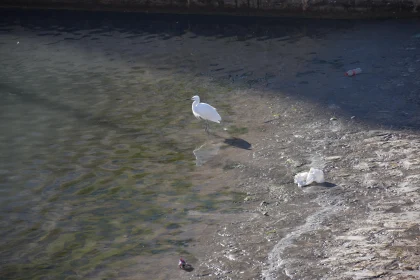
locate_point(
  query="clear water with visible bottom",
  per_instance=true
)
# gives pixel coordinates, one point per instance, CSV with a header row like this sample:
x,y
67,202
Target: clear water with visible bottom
x,y
96,146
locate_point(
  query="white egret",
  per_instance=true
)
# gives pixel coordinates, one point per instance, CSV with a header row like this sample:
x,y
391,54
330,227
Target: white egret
x,y
205,111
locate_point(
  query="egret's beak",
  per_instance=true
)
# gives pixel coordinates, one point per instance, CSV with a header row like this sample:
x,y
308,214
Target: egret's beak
x,y
188,99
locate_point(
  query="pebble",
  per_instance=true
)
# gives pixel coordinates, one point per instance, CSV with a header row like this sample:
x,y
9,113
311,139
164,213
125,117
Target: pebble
x,y
333,158
264,203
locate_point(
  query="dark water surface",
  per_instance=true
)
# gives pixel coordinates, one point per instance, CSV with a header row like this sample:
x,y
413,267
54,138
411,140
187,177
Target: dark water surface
x,y
98,146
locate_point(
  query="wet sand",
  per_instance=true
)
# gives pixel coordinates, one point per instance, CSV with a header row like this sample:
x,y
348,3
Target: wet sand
x,y
363,223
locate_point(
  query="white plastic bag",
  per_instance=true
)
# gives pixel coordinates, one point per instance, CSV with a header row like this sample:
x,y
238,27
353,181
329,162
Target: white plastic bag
x,y
316,175
300,179
306,178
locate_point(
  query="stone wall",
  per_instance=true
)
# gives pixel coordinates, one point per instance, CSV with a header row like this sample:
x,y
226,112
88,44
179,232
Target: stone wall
x,y
302,8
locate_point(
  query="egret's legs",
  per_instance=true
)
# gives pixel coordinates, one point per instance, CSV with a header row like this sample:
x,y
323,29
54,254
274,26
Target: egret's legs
x,y
207,127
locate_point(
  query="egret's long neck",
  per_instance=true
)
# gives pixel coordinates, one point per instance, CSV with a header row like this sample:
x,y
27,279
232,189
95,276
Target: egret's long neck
x,y
195,103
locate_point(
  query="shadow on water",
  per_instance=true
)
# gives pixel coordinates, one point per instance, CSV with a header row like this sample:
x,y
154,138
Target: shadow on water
x,y
209,150
188,268
168,26
316,53
238,143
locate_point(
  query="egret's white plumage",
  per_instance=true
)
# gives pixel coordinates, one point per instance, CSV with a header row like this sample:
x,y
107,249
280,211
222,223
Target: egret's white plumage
x,y
204,111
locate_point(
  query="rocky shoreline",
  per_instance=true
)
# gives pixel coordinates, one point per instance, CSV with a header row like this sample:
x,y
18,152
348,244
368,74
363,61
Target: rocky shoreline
x,y
363,223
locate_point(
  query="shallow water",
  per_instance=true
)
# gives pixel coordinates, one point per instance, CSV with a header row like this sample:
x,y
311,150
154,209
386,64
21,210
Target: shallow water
x,y
96,144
